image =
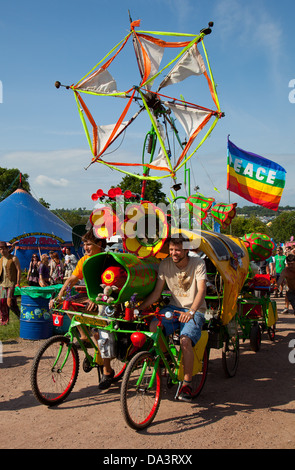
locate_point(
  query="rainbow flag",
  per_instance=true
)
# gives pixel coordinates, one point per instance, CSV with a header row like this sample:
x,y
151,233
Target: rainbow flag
x,y
254,178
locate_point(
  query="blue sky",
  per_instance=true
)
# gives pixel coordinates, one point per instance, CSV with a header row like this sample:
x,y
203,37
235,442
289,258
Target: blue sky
x,y
251,50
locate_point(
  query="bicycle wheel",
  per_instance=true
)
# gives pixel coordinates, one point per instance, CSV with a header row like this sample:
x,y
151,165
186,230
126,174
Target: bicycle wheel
x,y
198,380
271,331
255,337
230,355
139,401
52,380
119,367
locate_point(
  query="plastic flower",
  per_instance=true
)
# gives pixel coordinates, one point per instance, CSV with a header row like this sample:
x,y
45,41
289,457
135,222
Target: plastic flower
x,y
144,229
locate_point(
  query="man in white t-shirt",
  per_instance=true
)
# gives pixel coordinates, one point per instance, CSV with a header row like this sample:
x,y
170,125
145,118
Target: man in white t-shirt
x,y
185,277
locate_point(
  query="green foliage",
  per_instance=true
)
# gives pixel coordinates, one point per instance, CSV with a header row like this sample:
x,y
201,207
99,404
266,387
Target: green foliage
x,y
44,203
10,180
153,190
242,225
282,228
73,216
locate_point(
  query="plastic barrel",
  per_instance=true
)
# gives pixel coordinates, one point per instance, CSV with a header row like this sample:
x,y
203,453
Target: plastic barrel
x,y
35,319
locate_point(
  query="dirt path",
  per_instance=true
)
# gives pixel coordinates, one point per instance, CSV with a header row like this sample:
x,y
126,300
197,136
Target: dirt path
x,y
255,409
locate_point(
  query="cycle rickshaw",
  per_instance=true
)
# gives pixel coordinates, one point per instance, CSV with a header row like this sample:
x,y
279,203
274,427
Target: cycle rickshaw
x,y
56,365
257,313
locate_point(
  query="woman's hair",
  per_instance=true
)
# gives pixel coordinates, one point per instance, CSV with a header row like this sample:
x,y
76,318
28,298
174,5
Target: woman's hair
x,y
55,255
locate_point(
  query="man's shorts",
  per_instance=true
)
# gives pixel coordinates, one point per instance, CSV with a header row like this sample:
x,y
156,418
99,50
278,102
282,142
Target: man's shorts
x,y
192,329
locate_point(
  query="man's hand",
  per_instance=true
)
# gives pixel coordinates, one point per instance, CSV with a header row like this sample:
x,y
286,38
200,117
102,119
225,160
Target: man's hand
x,y
90,306
184,317
51,303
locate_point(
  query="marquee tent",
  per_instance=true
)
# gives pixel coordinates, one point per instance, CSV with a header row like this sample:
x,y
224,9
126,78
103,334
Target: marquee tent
x,y
33,227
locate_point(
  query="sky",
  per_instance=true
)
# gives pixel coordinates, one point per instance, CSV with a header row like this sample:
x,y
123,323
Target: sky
x,y
251,51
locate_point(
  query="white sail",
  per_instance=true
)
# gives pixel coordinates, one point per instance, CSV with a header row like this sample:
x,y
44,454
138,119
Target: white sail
x,y
189,117
191,63
105,132
101,81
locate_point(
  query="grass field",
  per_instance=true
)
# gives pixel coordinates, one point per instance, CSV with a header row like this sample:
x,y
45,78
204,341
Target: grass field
x,y
11,330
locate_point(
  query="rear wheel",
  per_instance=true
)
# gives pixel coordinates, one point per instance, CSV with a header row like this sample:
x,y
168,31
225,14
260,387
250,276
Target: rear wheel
x,y
54,370
140,397
230,355
198,380
271,331
255,337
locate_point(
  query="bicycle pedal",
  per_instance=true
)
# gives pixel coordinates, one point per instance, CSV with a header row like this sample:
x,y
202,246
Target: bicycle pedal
x,y
87,367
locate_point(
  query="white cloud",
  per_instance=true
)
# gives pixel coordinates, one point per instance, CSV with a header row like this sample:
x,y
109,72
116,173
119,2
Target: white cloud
x,y
251,26
43,180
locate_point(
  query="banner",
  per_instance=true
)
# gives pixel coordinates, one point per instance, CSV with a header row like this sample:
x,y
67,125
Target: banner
x,y
254,178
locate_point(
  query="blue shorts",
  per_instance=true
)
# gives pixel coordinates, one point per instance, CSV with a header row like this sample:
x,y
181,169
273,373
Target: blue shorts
x,y
192,329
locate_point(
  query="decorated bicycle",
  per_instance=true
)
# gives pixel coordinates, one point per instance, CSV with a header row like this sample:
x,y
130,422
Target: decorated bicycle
x,y
117,282
256,311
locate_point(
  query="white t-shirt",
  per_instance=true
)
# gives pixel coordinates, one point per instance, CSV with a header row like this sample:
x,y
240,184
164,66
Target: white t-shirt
x,y
182,283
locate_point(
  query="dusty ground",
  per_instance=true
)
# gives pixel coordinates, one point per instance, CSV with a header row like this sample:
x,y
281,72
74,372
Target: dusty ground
x,y
255,409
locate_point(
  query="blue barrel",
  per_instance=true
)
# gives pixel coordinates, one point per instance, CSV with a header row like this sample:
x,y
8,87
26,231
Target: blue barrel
x,y
35,318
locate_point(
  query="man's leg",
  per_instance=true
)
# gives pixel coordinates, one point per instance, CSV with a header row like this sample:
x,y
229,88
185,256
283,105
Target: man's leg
x,y
190,333
188,357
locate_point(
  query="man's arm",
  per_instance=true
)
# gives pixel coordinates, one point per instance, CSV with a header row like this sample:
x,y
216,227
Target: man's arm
x,y
199,299
153,296
18,269
68,284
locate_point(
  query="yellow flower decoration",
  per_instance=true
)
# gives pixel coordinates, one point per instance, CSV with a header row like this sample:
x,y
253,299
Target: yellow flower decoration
x,y
144,229
104,222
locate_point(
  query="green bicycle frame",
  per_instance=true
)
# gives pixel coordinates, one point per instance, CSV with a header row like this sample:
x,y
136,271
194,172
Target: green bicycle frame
x,y
156,350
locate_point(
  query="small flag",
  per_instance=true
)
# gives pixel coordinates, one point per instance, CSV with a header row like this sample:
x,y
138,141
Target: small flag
x,y
254,178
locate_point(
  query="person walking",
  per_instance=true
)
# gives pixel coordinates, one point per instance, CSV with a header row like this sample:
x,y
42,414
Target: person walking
x,y
10,273
280,263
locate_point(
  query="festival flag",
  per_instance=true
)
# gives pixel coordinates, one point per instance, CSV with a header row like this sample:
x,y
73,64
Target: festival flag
x,y
254,178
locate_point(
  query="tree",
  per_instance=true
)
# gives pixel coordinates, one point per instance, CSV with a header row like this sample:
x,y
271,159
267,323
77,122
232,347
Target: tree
x,y
44,203
242,225
10,180
153,191
282,228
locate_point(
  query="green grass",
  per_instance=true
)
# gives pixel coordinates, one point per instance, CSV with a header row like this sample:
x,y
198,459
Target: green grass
x,y
10,331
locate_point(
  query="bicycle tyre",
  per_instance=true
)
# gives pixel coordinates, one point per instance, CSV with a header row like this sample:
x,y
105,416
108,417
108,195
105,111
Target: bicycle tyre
x,y
139,404
198,380
50,385
231,355
255,337
271,331
119,367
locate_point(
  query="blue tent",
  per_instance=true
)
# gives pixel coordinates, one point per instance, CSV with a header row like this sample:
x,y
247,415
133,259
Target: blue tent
x,y
33,227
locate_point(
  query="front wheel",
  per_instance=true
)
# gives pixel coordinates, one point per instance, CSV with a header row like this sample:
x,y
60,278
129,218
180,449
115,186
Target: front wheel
x,y
141,391
54,370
